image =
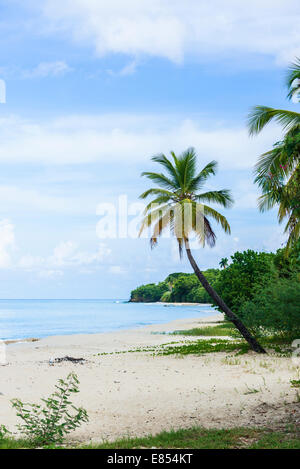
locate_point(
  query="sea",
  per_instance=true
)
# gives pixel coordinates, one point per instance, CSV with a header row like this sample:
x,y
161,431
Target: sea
x,y
21,319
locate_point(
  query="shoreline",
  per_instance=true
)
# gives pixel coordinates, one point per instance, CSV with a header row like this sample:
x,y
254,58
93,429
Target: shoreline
x,y
11,342
167,303
139,332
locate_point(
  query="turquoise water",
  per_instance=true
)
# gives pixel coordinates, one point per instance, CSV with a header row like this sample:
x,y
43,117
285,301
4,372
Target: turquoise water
x,y
21,319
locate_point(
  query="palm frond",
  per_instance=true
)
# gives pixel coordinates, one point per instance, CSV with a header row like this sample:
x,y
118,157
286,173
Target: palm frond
x,y
157,191
222,197
198,181
293,75
210,236
266,201
260,116
161,179
218,218
188,159
163,160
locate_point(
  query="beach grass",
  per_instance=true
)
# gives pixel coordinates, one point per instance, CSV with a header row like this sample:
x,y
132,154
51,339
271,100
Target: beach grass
x,y
194,438
201,438
200,347
225,329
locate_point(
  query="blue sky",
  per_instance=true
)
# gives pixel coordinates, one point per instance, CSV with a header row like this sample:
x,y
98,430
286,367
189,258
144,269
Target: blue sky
x,y
94,89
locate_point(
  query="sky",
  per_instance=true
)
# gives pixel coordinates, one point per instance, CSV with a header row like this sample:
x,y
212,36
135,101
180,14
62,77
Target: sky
x,y
93,90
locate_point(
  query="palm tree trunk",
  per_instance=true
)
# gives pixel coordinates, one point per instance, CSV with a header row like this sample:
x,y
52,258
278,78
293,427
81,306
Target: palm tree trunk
x,y
218,300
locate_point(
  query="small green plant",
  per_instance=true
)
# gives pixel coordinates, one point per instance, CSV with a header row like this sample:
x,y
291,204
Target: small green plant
x,y
295,383
50,423
251,390
3,432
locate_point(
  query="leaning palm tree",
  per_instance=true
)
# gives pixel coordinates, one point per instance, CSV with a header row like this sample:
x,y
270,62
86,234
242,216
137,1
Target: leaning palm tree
x,y
178,205
223,262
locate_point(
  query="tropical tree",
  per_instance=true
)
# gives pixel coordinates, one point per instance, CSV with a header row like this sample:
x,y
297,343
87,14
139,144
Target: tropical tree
x,y
178,205
278,175
260,116
223,262
293,79
278,170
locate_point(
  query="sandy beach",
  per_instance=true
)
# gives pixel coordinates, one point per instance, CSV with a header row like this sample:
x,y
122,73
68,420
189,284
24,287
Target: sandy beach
x,y
135,394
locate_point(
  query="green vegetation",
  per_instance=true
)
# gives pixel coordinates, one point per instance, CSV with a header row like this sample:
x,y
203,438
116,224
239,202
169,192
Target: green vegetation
x,y
50,424
201,438
149,293
278,170
275,309
194,438
204,346
226,329
238,281
177,287
197,347
263,289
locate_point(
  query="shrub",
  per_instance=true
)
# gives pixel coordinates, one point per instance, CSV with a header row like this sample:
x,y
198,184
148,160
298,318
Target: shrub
x,y
149,293
3,432
51,423
237,283
275,308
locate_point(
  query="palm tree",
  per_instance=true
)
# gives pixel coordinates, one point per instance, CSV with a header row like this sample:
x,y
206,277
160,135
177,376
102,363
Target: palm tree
x,y
293,79
260,116
278,175
178,205
278,170
223,262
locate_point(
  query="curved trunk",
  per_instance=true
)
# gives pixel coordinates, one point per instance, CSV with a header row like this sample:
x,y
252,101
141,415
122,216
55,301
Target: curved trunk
x,y
218,300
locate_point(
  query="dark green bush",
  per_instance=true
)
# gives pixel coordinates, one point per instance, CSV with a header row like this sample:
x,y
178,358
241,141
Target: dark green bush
x,y
149,293
275,309
237,283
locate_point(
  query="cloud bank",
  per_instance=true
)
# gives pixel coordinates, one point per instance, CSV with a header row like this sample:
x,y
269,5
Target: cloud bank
x,y
173,29
129,138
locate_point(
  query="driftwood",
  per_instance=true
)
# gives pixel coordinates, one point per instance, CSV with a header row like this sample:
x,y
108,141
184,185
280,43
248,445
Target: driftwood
x,y
66,359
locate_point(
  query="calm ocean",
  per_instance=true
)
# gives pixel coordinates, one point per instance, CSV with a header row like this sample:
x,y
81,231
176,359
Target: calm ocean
x,y
21,319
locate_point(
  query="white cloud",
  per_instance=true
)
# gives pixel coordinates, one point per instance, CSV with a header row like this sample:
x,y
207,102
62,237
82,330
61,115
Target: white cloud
x,y
46,69
65,255
173,28
20,199
128,138
245,194
128,69
50,274
68,254
117,269
7,243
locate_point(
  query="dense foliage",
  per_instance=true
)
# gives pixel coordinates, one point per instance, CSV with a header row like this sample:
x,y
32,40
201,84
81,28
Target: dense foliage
x,y
149,293
237,282
274,308
177,287
263,289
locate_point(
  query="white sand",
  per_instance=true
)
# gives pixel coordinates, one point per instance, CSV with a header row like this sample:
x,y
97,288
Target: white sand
x,y
135,394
